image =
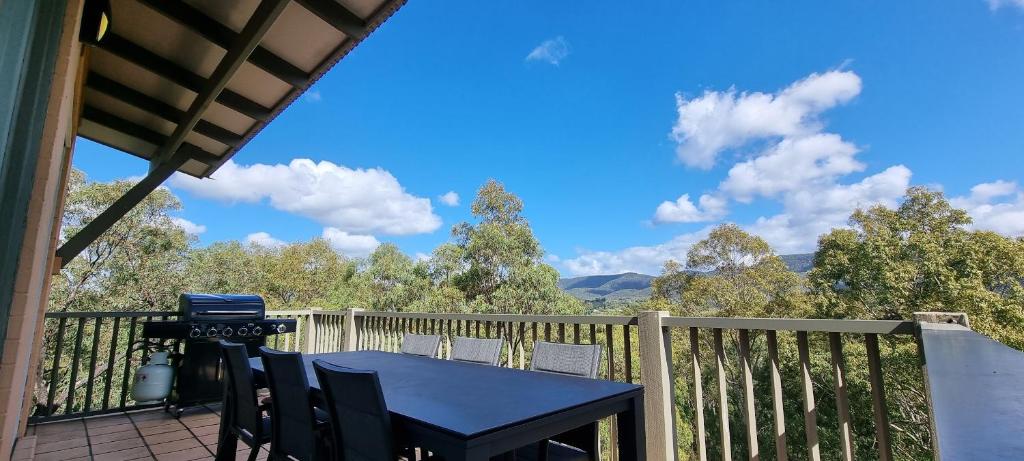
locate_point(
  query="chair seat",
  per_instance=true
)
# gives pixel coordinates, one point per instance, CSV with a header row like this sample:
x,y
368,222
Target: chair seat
x,y
556,452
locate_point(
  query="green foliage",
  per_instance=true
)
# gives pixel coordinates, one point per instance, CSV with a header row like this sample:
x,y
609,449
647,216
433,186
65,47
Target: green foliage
x,y
921,257
730,274
145,261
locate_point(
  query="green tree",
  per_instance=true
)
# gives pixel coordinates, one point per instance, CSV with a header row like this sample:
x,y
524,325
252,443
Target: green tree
x,y
730,274
921,256
501,268
133,266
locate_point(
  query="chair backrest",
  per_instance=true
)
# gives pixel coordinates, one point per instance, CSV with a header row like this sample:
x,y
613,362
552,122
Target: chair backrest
x,y
566,359
425,345
359,416
240,389
292,418
476,350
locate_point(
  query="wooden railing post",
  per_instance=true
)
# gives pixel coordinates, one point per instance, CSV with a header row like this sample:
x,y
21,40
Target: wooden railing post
x,y
311,333
349,330
655,375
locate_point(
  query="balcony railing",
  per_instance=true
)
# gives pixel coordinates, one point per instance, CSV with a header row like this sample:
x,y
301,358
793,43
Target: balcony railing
x,y
716,388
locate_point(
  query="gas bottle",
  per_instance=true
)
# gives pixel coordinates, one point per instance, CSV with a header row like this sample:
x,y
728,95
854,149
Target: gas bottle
x,y
153,381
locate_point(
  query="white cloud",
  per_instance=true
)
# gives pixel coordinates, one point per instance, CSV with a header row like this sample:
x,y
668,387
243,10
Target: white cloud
x,y
792,164
719,120
812,212
188,226
642,259
313,95
997,4
264,239
683,210
551,51
1005,217
450,198
357,201
349,244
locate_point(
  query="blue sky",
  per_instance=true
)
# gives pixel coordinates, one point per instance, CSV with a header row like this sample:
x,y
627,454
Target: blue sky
x,y
779,117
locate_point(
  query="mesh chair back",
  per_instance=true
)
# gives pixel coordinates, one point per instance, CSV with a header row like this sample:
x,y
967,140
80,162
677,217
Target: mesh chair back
x,y
475,350
292,418
359,417
567,359
241,389
424,345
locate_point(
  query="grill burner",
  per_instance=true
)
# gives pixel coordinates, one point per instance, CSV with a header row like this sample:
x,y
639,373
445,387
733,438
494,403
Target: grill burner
x,y
206,319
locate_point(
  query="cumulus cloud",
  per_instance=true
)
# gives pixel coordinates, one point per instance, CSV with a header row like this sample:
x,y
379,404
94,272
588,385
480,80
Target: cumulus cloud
x,y
642,259
357,201
313,96
1005,216
349,244
710,208
812,212
449,198
551,51
791,165
264,239
188,226
719,120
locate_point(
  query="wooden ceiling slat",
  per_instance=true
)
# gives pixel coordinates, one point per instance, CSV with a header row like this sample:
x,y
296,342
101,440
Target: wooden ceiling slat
x,y
161,66
338,16
159,108
223,36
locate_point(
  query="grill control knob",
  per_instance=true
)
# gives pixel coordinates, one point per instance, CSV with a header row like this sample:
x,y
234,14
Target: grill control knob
x,y
281,328
257,330
227,331
243,331
211,332
195,333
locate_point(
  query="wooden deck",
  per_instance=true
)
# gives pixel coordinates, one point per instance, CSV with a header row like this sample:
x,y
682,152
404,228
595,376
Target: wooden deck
x,y
141,435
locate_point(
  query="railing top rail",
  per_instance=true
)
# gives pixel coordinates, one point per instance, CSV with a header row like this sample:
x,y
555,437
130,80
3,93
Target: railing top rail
x,y
568,319
896,327
87,314
297,312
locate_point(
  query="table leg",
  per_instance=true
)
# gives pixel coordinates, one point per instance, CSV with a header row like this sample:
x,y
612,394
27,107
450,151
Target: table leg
x,y
632,438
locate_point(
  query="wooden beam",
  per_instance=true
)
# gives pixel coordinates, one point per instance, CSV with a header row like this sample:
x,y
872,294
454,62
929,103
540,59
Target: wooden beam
x,y
119,208
223,36
159,108
338,16
138,131
257,26
159,65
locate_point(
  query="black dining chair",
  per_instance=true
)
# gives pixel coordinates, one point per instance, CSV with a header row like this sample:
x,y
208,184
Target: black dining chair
x,y
360,421
299,430
581,360
240,402
422,345
477,350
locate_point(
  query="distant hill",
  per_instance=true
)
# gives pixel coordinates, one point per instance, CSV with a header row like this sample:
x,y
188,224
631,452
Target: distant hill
x,y
631,285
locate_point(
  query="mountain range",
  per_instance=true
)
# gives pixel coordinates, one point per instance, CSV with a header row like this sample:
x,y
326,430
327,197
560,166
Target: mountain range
x,y
600,289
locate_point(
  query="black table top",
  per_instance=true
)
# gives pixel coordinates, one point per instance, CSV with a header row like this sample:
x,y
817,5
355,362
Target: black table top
x,y
467,399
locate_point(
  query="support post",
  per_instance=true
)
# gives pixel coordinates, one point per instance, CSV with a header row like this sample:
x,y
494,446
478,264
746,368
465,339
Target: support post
x,y
311,333
655,375
350,331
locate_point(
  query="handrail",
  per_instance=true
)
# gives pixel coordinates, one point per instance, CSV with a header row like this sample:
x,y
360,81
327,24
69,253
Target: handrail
x,y
567,319
884,327
121,314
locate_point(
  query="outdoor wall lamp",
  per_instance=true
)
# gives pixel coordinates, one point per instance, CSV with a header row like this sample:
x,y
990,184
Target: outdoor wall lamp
x,y
95,21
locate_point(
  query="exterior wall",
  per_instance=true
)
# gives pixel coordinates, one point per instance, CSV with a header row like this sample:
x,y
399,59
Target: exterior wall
x,y
31,291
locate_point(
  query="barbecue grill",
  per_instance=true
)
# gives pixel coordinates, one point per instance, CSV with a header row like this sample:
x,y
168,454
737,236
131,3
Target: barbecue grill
x,y
204,320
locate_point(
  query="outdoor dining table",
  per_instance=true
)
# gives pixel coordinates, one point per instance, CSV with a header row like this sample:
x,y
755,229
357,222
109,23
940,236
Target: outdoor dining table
x,y
463,411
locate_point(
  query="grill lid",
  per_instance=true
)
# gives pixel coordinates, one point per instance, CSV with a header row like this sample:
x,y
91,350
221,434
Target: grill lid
x,y
201,306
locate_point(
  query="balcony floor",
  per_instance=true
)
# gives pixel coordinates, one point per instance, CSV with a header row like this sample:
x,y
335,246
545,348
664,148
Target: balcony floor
x,y
142,435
